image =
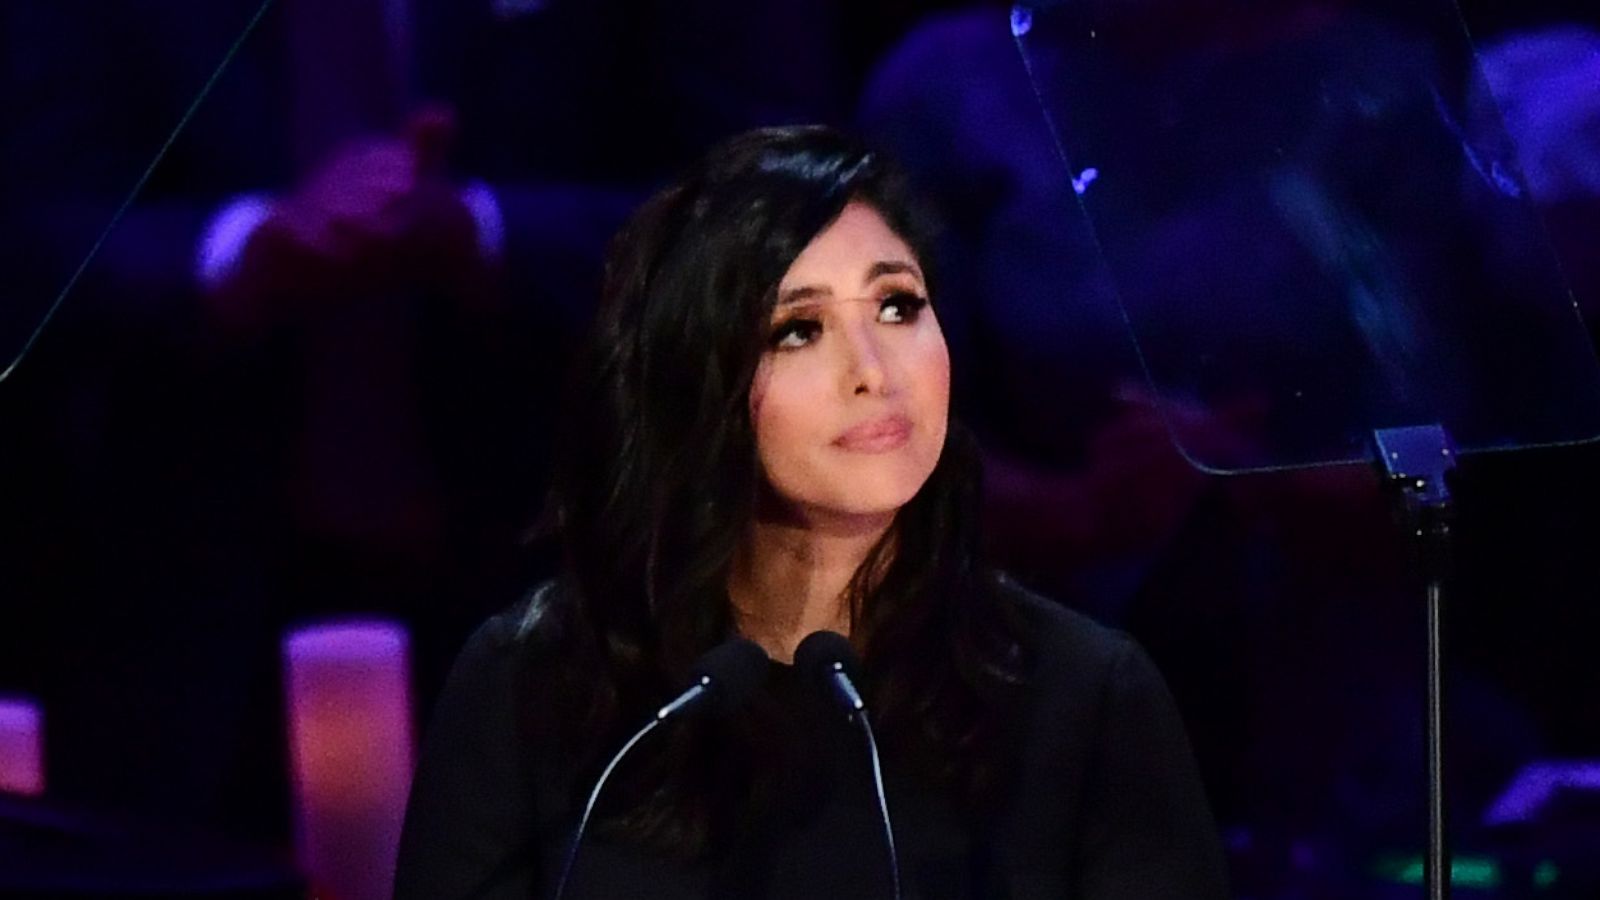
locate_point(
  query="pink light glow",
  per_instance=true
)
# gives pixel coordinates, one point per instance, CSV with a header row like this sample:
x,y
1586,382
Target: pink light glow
x,y
21,747
351,752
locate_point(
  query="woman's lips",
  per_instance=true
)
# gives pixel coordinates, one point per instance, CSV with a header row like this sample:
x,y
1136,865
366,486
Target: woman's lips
x,y
876,435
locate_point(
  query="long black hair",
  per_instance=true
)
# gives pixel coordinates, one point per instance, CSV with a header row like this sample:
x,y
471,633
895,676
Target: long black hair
x,y
656,483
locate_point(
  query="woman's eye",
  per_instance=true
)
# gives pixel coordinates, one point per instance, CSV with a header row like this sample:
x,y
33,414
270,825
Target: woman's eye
x,y
794,334
900,308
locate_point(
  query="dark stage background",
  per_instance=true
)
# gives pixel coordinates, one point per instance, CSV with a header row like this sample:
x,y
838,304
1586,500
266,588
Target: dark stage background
x,y
226,433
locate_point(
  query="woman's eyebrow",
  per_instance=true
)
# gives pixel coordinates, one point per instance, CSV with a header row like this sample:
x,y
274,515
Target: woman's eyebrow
x,y
877,270
892,267
803,293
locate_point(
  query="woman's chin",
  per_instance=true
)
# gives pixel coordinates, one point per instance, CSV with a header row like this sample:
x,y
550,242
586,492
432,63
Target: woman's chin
x,y
869,502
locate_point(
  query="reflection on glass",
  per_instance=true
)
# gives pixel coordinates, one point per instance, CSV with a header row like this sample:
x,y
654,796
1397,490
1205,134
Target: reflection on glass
x,y
1297,204
135,119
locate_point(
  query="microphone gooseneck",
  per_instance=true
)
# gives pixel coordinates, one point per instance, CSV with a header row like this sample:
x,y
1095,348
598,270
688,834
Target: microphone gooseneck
x,y
723,680
827,658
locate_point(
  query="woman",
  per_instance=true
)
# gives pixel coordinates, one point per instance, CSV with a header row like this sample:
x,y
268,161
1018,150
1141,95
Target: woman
x,y
760,444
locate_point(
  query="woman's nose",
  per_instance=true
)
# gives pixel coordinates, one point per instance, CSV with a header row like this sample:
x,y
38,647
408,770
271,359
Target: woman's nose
x,y
866,371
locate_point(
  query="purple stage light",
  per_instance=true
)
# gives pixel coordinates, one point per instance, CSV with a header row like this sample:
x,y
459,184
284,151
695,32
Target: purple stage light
x,y
21,747
1538,783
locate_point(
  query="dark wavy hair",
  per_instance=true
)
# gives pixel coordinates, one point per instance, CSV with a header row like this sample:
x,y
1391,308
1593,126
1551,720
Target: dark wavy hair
x,y
655,486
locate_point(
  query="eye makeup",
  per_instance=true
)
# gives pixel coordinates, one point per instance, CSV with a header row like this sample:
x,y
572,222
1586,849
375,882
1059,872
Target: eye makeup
x,y
802,325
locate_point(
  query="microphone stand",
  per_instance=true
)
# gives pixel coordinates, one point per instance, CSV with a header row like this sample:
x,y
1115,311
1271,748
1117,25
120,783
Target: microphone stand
x,y
594,795
724,678
825,654
883,799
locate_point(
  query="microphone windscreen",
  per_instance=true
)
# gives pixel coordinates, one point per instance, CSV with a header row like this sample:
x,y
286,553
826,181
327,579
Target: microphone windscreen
x,y
737,668
816,655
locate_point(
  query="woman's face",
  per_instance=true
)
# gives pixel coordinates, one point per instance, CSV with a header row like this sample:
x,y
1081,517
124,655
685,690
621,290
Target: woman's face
x,y
851,400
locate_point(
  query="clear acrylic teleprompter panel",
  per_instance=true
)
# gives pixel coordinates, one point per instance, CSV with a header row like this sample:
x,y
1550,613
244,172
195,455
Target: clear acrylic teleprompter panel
x,y
133,124
94,92
1315,225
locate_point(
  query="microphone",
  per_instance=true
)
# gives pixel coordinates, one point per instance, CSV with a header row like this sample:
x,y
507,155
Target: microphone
x,y
723,679
827,658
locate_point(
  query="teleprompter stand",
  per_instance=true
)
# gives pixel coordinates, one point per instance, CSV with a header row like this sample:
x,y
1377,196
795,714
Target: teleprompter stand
x,y
1416,464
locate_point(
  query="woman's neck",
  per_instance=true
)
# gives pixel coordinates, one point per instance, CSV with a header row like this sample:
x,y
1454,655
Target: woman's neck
x,y
791,578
